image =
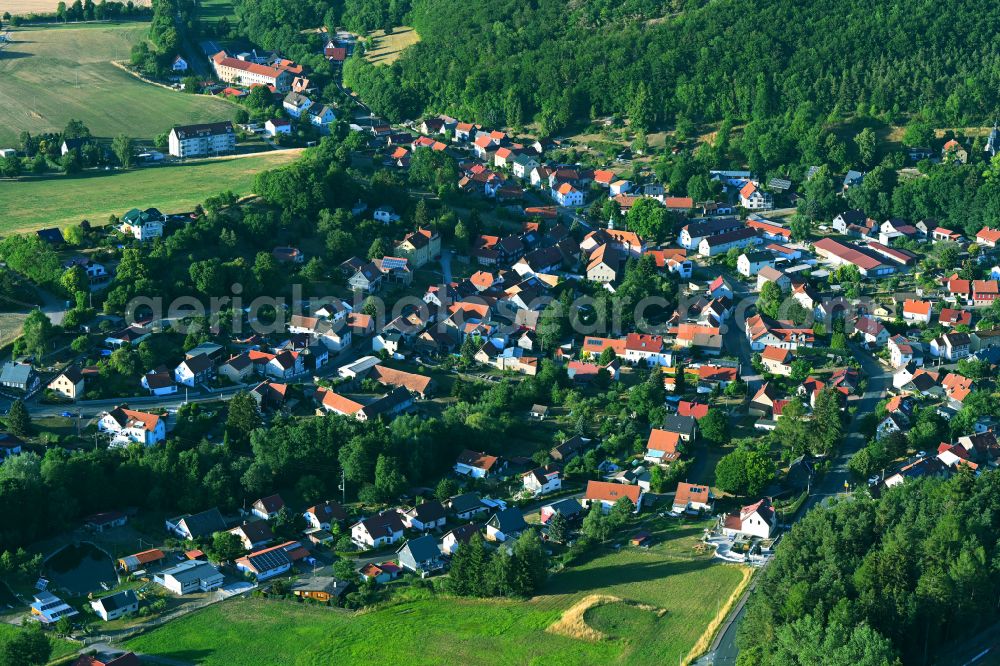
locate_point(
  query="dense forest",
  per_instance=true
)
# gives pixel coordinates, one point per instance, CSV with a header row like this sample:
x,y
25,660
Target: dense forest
x,y
881,582
787,70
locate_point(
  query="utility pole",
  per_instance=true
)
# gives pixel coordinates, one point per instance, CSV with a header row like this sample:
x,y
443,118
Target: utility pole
x,y
343,485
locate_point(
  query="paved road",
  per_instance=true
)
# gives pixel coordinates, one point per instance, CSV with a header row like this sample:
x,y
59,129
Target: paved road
x,y
879,382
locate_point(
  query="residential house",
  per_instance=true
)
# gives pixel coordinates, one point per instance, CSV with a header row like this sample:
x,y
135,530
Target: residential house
x,y
542,480
777,361
568,196
19,376
662,446
125,426
917,311
274,561
116,605
421,555
275,126
456,537
237,369
762,331
568,508
754,198
253,535
197,525
320,588
379,530
425,516
267,508
902,351
757,520
740,238
771,274
194,371
9,446
419,247
324,516
47,608
871,331
69,383
505,524
750,263
466,506
692,498
477,464
607,494
296,104
190,576
951,346
685,426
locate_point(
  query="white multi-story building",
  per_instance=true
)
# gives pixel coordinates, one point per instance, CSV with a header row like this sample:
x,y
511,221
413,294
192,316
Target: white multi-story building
x,y
201,140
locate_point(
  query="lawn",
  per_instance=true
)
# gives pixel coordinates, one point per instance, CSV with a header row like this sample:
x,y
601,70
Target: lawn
x,y
60,647
56,73
59,201
669,595
210,11
386,49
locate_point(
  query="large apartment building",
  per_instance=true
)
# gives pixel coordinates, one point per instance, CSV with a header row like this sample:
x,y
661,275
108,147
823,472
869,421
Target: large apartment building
x,y
201,140
249,73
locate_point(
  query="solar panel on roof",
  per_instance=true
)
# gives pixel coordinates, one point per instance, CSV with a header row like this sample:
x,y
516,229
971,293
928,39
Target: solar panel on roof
x,y
390,262
271,559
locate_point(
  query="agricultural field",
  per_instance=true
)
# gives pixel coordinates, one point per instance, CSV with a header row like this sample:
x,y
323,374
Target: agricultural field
x,y
55,73
60,201
11,324
631,606
386,49
20,7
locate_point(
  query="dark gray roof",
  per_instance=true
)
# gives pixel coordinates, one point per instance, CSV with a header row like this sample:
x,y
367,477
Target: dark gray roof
x,y
568,507
508,521
205,523
465,503
16,373
422,548
679,424
118,600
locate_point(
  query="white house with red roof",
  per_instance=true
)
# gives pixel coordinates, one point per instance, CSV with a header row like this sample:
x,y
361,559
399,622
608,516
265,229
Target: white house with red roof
x,y
607,494
477,464
988,237
662,446
648,349
693,498
567,195
757,519
917,311
754,198
127,426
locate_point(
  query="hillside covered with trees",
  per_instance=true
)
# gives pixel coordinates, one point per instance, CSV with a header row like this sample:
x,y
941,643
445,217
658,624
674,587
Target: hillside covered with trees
x,y
881,582
511,62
